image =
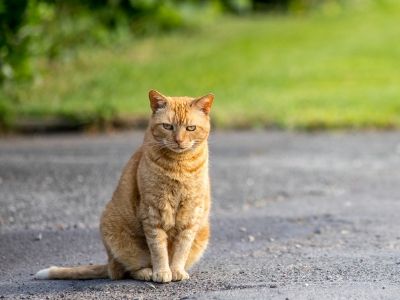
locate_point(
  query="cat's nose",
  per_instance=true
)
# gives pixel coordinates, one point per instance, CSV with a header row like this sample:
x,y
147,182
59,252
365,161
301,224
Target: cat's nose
x,y
178,140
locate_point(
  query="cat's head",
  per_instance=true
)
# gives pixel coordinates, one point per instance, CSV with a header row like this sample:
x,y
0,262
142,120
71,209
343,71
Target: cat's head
x,y
179,124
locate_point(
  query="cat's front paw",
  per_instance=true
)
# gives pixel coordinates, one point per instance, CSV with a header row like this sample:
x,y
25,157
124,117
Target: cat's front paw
x,y
179,274
162,276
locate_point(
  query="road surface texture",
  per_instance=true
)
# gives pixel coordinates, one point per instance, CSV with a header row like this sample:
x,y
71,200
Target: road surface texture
x,y
295,216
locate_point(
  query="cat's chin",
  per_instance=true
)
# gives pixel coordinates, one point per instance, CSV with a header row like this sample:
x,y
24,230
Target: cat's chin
x,y
180,150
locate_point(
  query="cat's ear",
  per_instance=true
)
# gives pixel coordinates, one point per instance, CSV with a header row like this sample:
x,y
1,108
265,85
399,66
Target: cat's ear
x,y
204,103
157,100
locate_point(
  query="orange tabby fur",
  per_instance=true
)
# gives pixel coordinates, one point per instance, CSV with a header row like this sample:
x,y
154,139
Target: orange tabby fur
x,y
156,225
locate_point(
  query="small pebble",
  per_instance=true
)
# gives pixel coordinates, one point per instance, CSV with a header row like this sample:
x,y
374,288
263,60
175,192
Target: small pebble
x,y
273,286
251,238
80,178
150,285
60,226
38,237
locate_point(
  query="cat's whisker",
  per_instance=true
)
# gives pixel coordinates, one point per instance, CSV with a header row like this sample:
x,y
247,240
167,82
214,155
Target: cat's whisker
x,y
156,192
155,145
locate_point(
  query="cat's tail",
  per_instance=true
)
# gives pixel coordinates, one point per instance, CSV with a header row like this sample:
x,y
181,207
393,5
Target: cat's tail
x,y
81,272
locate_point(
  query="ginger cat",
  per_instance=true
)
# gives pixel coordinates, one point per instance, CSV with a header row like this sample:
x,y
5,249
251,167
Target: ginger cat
x,y
157,224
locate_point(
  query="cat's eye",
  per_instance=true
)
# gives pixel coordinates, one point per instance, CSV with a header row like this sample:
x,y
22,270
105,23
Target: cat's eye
x,y
168,126
191,128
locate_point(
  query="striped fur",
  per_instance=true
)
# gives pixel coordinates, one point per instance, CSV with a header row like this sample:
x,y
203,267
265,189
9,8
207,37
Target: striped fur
x,y
156,225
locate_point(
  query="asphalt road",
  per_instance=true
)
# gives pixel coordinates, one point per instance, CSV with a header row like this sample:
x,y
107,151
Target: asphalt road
x,y
295,216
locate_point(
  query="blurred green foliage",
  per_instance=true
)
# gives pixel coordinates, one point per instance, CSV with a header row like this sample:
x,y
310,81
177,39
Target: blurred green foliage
x,y
42,39
49,28
31,28
14,51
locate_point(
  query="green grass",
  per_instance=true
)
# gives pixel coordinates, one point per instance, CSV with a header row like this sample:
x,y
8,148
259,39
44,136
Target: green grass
x,y
316,71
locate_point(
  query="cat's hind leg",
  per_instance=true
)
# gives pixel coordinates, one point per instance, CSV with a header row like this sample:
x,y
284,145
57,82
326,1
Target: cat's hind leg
x,y
116,270
199,245
128,253
143,274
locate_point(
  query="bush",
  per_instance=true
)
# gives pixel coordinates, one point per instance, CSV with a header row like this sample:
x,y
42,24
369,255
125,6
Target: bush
x,y
6,113
14,55
51,28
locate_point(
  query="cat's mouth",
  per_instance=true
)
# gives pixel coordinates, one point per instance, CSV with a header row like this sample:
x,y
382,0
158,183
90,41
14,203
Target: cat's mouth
x,y
178,148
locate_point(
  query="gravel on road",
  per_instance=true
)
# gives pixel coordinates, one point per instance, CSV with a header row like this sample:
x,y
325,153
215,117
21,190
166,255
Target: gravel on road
x,y
295,216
